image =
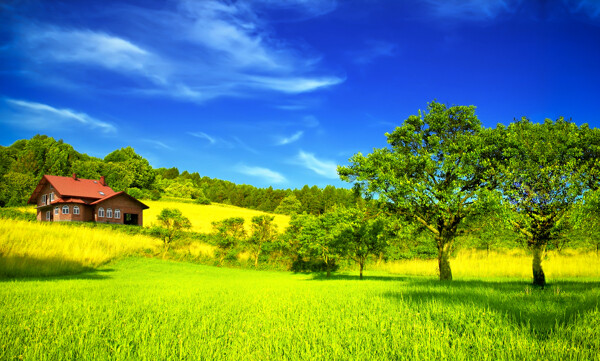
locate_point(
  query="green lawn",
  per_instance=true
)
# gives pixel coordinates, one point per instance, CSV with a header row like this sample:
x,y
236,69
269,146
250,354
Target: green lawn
x,y
148,309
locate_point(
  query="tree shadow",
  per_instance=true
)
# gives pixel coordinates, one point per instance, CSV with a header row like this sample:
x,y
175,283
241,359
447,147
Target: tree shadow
x,y
27,268
322,276
539,310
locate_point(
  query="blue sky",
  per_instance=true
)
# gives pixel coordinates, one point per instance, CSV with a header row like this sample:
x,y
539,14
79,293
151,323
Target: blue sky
x,y
267,92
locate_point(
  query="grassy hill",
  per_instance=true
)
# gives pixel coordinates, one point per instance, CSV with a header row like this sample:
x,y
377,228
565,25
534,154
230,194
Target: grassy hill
x,y
202,216
150,309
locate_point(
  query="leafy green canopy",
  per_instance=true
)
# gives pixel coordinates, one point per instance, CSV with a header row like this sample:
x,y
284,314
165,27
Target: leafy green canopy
x,y
544,172
435,172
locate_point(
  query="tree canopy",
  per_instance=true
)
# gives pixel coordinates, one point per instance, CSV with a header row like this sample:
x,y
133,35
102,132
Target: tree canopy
x,y
434,172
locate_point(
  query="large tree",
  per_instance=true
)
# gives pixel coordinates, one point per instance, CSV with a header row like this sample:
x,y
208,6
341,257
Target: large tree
x,y
545,170
433,173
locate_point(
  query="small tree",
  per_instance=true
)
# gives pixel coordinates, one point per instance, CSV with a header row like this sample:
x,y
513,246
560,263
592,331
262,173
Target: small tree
x,y
263,231
229,232
173,221
316,237
361,234
289,205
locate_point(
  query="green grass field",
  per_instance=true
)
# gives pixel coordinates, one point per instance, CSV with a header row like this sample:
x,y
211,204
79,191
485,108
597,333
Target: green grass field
x,y
150,309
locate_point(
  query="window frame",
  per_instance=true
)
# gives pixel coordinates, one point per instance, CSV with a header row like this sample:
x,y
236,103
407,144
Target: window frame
x,y
109,213
101,212
67,208
56,210
117,213
76,210
48,215
51,197
43,199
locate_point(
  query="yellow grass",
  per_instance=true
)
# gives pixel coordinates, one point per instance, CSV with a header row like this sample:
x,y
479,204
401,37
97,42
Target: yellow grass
x,y
41,249
202,216
514,263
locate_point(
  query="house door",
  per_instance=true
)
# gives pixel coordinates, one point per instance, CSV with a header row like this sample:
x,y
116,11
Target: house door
x,y
130,218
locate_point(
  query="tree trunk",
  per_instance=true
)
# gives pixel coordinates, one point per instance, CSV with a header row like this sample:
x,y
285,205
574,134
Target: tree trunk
x,y
361,264
539,279
328,271
256,260
444,263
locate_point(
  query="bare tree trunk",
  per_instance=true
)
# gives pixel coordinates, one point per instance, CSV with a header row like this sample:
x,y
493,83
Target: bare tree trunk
x,y
256,260
444,262
539,278
361,264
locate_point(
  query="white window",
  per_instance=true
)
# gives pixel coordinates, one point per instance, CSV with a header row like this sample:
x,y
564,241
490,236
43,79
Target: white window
x,y
100,212
56,210
43,199
47,215
75,209
51,197
109,213
117,213
65,209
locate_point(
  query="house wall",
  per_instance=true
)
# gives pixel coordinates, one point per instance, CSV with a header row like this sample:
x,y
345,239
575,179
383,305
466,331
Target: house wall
x,y
43,207
123,203
85,213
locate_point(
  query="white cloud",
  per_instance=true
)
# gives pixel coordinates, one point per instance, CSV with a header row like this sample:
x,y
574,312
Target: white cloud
x,y
475,10
215,49
158,144
203,135
268,175
326,168
42,116
54,44
291,139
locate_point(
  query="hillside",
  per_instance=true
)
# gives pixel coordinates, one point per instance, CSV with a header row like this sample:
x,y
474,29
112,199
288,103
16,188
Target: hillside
x,y
202,216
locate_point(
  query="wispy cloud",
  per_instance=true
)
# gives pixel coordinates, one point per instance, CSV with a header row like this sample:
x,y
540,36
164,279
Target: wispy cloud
x,y
473,10
42,116
158,144
291,139
590,8
216,49
244,146
202,135
266,174
325,168
374,49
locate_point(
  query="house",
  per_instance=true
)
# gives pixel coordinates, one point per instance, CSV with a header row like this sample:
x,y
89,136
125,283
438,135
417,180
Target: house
x,y
84,200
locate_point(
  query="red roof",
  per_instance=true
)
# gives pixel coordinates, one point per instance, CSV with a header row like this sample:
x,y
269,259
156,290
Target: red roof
x,y
69,187
118,194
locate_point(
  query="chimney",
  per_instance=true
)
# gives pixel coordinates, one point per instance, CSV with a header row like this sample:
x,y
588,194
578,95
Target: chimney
x,y
102,181
74,176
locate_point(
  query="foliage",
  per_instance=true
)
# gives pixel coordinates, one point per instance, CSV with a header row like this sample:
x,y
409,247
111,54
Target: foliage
x,y
433,173
544,171
317,237
264,231
173,221
361,234
229,232
289,205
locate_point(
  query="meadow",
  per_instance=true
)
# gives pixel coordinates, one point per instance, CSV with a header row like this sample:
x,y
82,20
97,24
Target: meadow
x,y
77,293
151,309
202,216
49,249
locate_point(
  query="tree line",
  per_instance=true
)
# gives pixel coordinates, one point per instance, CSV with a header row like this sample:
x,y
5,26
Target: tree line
x,y
24,163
